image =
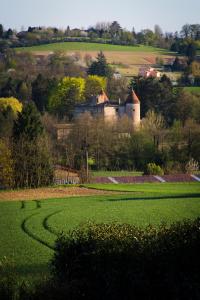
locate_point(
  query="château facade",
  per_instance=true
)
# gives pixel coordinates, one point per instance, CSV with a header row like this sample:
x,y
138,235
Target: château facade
x,y
111,112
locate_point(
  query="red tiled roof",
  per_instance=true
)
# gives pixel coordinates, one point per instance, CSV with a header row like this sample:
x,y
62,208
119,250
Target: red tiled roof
x,y
132,98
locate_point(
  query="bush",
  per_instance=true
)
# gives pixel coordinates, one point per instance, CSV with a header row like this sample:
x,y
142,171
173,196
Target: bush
x,y
192,166
153,169
113,261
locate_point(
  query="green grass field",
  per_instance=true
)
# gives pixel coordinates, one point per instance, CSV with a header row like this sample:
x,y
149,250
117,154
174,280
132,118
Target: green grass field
x,y
193,89
28,229
80,46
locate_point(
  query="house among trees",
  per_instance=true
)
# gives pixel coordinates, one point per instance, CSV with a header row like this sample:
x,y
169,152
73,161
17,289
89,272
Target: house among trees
x,y
149,72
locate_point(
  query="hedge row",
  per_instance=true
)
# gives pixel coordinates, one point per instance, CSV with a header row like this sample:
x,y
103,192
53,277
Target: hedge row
x,y
113,261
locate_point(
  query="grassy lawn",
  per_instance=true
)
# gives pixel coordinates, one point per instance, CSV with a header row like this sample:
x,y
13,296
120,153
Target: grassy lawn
x,y
81,46
115,173
28,229
193,89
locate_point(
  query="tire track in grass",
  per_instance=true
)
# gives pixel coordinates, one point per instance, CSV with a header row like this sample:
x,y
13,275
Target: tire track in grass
x,y
27,204
26,230
47,226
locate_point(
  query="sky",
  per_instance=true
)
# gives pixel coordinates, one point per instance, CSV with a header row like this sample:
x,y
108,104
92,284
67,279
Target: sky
x,y
171,15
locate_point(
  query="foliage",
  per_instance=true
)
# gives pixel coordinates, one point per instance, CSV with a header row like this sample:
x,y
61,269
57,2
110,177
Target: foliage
x,y
100,67
137,207
112,260
156,95
11,102
93,85
31,153
192,166
6,165
7,118
32,162
69,90
153,169
28,123
41,88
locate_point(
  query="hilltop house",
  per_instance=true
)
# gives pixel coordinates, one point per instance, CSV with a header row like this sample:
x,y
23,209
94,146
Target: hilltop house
x,y
149,72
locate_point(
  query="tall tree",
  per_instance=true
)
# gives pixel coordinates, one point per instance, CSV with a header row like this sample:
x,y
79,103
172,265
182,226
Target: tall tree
x,y
6,165
1,30
32,159
41,88
100,67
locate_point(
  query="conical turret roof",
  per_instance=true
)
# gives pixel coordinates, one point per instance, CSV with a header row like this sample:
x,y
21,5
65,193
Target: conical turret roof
x,y
132,98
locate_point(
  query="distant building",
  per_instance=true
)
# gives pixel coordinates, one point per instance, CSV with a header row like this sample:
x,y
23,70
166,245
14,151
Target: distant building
x,y
149,72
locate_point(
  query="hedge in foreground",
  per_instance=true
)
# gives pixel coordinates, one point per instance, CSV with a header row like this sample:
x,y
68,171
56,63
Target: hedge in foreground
x,y
112,261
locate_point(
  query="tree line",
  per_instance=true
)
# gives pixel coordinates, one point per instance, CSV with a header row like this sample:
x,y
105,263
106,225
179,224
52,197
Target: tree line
x,y
102,32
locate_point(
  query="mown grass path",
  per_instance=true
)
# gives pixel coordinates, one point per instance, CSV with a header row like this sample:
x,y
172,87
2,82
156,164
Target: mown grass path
x,y
28,229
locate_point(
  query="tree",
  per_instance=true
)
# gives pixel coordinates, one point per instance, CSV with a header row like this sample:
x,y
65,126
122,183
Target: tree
x,y
115,29
11,102
156,95
9,33
154,124
31,155
6,165
23,91
100,67
28,123
191,52
117,88
67,93
93,85
1,31
41,88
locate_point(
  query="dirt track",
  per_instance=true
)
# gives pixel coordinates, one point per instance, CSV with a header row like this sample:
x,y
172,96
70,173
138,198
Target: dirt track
x,y
47,193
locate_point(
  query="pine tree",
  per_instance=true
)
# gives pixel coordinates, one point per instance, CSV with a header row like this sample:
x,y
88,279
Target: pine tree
x,y
32,159
100,67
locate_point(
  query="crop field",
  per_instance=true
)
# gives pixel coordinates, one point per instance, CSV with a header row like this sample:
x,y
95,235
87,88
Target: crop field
x,y
125,59
28,229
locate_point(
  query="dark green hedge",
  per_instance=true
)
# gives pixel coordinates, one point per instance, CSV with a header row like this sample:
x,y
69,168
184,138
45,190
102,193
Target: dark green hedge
x,y
112,261
124,262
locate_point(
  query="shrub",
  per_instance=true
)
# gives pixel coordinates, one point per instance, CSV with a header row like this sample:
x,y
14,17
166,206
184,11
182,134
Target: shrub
x,y
153,169
191,166
113,261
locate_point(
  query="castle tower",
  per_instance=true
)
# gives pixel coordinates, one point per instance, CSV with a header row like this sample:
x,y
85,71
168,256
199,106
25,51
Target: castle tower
x,y
132,109
102,97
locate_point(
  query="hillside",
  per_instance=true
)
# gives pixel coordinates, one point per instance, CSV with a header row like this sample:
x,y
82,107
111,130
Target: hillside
x,y
126,59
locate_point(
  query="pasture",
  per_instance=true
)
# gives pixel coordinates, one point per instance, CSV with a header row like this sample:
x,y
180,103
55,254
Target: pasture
x,y
125,59
28,229
193,89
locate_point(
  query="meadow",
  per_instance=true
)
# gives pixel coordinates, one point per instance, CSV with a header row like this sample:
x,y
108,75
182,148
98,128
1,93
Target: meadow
x,y
81,46
193,89
125,59
28,229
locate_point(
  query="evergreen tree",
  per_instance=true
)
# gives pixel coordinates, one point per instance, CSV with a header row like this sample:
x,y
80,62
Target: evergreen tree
x,y
191,52
32,160
1,30
28,123
40,92
100,67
